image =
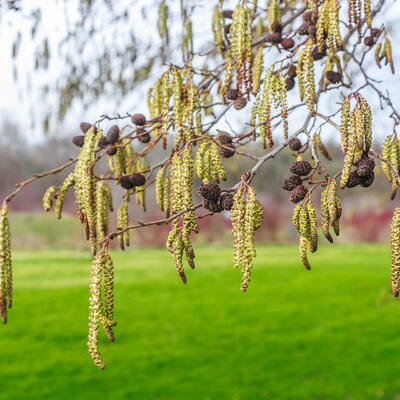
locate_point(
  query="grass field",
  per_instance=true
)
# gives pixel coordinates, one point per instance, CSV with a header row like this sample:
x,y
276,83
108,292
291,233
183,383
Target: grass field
x,y
331,333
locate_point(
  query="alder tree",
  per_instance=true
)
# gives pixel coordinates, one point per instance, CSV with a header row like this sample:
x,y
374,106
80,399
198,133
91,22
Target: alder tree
x,y
260,53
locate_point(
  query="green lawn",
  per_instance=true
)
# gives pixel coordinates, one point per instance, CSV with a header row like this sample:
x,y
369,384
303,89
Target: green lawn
x,y
329,333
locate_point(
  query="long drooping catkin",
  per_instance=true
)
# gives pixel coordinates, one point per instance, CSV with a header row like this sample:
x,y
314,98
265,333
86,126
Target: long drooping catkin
x,y
101,304
5,264
246,217
95,310
395,242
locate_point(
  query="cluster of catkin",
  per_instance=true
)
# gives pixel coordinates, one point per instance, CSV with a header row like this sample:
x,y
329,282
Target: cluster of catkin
x,y
85,184
328,32
101,304
355,9
181,181
240,55
246,216
383,51
209,163
395,244
273,92
305,221
56,194
273,13
391,152
5,264
123,162
176,90
305,75
331,209
356,134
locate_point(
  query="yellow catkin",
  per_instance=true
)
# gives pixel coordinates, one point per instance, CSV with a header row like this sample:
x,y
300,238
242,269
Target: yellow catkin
x,y
305,74
217,22
344,124
395,244
5,264
313,238
257,69
162,20
237,218
95,309
386,153
388,53
325,217
359,126
367,12
107,319
367,118
123,222
303,252
351,150
48,200
85,183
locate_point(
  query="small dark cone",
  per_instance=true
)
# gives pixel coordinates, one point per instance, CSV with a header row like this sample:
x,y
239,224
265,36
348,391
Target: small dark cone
x,y
112,151
78,140
227,151
333,76
300,167
137,179
292,73
365,166
291,183
369,41
227,13
298,194
354,180
138,119
143,136
209,191
375,32
295,144
227,29
240,103
224,137
276,27
85,126
113,134
318,55
226,200
213,206
287,43
232,94
125,182
103,142
311,29
276,37
368,179
289,83
302,29
307,17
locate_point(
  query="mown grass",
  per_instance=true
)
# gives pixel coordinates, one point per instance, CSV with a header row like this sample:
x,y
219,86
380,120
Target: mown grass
x,y
331,333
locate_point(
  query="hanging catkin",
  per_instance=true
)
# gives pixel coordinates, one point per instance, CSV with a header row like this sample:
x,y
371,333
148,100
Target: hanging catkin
x,y
246,218
395,242
5,264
